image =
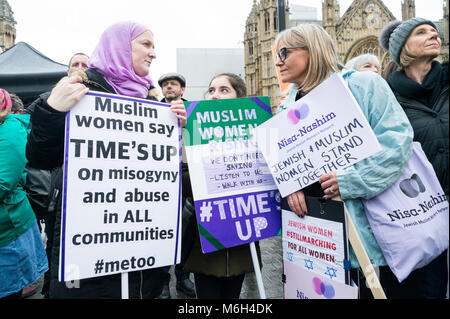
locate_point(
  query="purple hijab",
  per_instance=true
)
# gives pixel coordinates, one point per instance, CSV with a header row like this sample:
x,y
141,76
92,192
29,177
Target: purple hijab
x,y
112,58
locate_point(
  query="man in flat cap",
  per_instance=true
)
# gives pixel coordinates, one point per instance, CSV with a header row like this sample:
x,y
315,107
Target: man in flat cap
x,y
173,86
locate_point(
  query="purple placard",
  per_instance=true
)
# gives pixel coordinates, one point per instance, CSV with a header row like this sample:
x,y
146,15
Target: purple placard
x,y
230,221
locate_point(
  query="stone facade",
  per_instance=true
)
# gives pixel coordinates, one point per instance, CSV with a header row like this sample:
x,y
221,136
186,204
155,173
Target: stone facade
x,y
7,26
444,50
260,31
356,32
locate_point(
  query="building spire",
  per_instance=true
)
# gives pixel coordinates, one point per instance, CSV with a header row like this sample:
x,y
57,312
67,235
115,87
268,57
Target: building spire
x,y
7,26
408,9
330,16
330,12
5,11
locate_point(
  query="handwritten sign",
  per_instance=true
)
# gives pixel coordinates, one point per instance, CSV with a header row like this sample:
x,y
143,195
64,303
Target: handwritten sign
x,y
121,198
322,132
235,171
235,197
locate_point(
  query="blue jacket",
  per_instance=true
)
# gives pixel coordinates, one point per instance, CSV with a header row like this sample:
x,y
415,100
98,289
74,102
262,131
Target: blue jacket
x,y
373,175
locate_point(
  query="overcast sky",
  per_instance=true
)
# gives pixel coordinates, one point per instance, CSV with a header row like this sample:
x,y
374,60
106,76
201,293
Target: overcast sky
x,y
59,28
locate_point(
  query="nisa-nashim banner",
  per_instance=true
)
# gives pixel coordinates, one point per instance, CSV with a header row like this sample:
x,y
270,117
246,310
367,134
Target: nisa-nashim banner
x,y
322,132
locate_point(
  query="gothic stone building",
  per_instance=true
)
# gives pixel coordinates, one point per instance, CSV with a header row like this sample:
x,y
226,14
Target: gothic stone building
x,y
260,32
7,26
355,33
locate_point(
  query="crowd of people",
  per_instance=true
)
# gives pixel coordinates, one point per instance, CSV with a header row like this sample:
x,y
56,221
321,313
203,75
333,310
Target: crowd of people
x,y
405,102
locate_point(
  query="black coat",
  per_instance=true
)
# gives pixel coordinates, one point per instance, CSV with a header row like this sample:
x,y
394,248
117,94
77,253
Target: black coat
x,y
45,149
426,106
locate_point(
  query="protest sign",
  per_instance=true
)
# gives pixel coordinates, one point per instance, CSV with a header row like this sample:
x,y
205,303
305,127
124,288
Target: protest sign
x,y
322,132
236,200
121,202
318,242
304,284
315,252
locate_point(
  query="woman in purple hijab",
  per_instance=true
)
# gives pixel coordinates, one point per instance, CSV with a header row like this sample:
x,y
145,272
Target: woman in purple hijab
x,y
120,65
122,59
113,58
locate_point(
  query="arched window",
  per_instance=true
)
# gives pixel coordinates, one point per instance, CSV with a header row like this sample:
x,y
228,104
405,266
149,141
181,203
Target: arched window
x,y
266,21
368,45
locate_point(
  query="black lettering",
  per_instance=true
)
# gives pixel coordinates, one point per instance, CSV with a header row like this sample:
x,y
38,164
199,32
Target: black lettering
x,y
143,153
102,106
78,143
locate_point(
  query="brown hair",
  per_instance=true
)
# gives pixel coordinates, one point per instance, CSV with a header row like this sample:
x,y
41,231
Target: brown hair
x,y
17,103
388,69
236,82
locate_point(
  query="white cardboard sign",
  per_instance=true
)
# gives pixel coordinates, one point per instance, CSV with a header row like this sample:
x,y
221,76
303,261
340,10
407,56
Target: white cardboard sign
x,y
121,192
322,132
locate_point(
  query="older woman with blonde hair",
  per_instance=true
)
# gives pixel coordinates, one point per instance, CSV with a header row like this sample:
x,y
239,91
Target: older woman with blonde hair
x,y
307,57
420,85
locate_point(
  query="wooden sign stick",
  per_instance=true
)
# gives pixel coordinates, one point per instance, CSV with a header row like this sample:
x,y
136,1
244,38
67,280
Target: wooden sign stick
x,y
363,259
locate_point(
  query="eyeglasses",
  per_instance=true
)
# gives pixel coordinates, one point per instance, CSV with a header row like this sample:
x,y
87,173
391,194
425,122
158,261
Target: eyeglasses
x,y
282,54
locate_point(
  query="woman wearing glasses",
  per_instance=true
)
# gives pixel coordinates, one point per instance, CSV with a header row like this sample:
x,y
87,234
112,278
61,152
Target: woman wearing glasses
x,y
307,57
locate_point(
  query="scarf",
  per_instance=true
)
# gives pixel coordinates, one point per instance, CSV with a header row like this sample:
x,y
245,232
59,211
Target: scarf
x,y
112,59
427,93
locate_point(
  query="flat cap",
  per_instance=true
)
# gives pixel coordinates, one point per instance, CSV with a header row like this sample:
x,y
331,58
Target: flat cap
x,y
172,76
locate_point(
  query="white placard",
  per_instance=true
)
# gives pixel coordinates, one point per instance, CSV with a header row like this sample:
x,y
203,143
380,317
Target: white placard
x,y
121,195
304,284
316,244
322,132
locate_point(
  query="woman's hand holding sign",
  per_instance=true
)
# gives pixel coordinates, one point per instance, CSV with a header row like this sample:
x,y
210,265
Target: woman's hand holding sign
x,y
297,203
179,110
329,185
67,92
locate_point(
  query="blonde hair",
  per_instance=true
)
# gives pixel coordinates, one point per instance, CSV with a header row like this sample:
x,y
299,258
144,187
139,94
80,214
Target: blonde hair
x,y
323,58
406,58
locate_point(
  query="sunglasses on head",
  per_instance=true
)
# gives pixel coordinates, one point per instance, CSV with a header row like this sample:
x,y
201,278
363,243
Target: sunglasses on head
x,y
282,54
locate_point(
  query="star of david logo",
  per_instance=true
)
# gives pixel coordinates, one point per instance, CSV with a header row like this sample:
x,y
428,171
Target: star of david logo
x,y
309,264
290,256
331,272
